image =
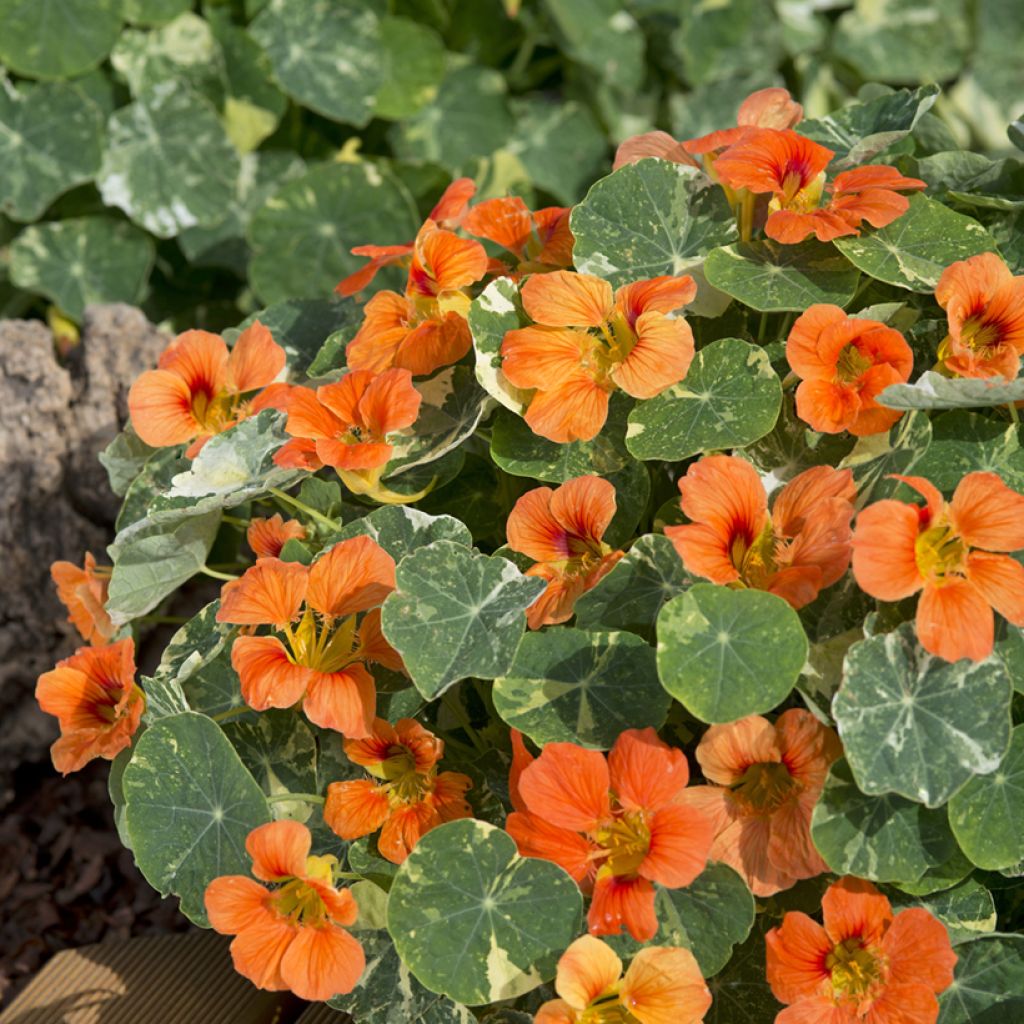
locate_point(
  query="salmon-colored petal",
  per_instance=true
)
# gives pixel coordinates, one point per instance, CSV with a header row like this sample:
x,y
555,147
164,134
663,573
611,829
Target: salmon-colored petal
x,y
442,261
84,593
704,551
234,903
884,561
725,752
770,108
279,850
919,951
543,357
390,403
664,986
355,808
373,750
267,537
521,757
799,501
646,774
656,144
160,407
988,514
404,828
828,407
532,529
791,227
298,453
955,621
877,206
718,805
372,645
726,494
433,344
796,953
575,410
656,295
449,796
379,256
322,962
931,494
556,1011
558,600
745,845
874,176
903,1004
552,227
967,285
386,324
271,592
680,842
535,837
806,354
200,359
73,695
1000,579
816,1010
715,141
660,358
355,456
308,417
568,786
256,359
584,507
790,848
798,585
342,400
269,678
353,576
808,748
823,542
854,909
450,209
587,970
258,950
343,701
770,160
506,221
566,299
622,901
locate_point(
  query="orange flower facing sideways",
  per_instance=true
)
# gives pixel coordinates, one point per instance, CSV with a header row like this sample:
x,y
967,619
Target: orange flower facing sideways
x,y
791,169
953,554
405,798
267,537
290,932
322,658
539,241
83,591
585,343
562,531
199,388
617,825
425,328
448,213
663,985
796,551
765,781
766,108
94,697
984,306
844,363
864,965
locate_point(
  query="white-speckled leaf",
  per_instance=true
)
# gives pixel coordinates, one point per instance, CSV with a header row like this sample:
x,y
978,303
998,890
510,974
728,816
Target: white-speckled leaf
x,y
401,529
934,391
57,38
413,57
874,459
495,311
967,910
988,983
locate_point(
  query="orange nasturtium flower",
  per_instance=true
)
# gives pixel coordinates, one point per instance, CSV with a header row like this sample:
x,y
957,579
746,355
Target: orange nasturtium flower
x,y
844,363
562,531
406,797
322,658
663,985
95,699
766,108
83,591
199,388
448,213
949,552
865,966
796,551
291,936
984,306
584,343
539,241
267,537
766,780
426,328
791,169
617,825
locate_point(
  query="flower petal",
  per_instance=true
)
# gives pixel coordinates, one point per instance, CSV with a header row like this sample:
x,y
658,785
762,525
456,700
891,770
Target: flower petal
x,y
988,514
270,593
955,621
660,358
681,838
584,507
919,950
256,359
884,560
646,774
389,403
664,986
344,701
536,837
355,808
854,909
1001,582
269,678
160,407
796,952
620,901
567,786
587,970
566,299
575,410
322,962
234,903
543,357
725,752
279,850
532,529
353,576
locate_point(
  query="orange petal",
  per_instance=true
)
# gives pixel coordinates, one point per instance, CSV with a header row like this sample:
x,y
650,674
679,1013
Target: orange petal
x,y
660,358
765,160
256,359
646,774
354,576
829,407
449,796
433,344
379,256
200,359
884,561
872,177
855,909
790,848
343,701
555,1011
680,842
567,786
558,599
340,904
266,537
988,514
657,295
791,227
587,970
621,901
270,592
796,952
403,830
373,750
234,903
506,221
656,144
770,108
704,551
819,1010
967,285
386,320
552,227
258,950
543,357
521,757
451,207
919,951
81,690
322,962
269,678
808,747
84,594
877,206
309,417
566,299
726,494
664,986
574,410
1000,579
372,645
160,407
355,808
342,399
390,403
799,500
298,453
955,621
808,352
725,752
904,1004
584,507
442,261
279,850
532,529
536,837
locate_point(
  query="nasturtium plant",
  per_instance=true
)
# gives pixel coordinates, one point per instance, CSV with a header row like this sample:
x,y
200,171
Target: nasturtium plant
x,y
581,566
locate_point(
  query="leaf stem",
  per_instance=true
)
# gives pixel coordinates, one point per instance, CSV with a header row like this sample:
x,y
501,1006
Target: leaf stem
x,y
459,714
309,798
762,327
207,571
303,507
1013,414
229,713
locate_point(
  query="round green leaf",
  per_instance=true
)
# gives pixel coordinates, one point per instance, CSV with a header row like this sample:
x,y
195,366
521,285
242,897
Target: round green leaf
x,y
57,38
943,876
278,748
302,234
568,686
773,278
83,261
400,530
602,36
413,59
169,164
915,725
914,249
884,838
474,920
967,910
189,804
456,613
730,398
739,993
988,982
649,218
728,653
987,815
153,12
326,54
51,139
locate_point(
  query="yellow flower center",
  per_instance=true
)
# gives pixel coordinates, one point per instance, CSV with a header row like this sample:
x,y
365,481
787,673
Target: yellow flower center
x,y
939,553
321,643
607,1010
301,902
979,335
766,786
851,364
755,561
855,968
795,196
624,843
213,413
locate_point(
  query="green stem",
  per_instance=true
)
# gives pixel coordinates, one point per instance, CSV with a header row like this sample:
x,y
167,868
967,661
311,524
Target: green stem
x,y
235,521
224,716
207,571
1013,414
449,700
303,507
762,327
309,798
